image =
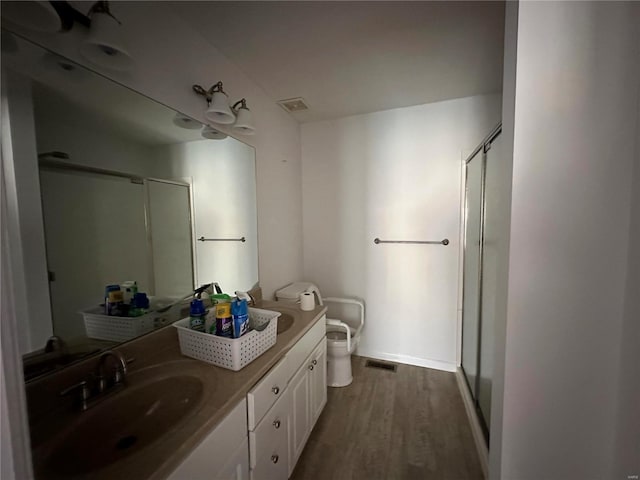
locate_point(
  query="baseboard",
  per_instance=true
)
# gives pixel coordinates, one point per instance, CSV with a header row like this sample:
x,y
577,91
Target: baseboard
x,y
474,422
406,359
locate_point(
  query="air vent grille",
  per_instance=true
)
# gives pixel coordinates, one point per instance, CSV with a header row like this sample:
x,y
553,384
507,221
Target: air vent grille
x,y
381,365
293,105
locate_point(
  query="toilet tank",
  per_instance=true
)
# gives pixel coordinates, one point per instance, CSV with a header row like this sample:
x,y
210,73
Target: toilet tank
x,y
291,293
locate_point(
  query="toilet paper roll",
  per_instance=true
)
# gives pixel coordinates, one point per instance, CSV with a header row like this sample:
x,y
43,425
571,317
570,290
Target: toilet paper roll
x,y
307,301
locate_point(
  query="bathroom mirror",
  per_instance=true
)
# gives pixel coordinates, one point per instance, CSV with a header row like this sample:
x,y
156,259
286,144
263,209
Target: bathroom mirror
x,y
130,191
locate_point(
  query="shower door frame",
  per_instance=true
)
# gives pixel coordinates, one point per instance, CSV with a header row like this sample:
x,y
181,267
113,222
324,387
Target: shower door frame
x,y
483,148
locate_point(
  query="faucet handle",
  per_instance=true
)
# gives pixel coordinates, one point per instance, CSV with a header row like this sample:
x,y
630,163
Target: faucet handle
x,y
85,393
81,385
121,370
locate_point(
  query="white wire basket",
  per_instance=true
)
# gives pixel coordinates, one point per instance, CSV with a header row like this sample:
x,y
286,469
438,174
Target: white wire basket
x,y
120,329
230,353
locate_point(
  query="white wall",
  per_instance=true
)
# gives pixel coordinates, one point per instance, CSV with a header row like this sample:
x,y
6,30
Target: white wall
x,y
394,175
15,455
167,65
223,178
24,213
574,146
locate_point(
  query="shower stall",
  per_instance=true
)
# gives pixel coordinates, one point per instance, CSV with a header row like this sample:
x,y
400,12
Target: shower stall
x,y
486,223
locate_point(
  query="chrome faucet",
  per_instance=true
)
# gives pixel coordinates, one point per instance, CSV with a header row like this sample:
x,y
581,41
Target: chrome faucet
x,y
246,296
54,344
99,385
119,373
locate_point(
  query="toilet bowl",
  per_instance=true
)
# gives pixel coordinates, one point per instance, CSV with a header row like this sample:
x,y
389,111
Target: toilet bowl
x,y
342,337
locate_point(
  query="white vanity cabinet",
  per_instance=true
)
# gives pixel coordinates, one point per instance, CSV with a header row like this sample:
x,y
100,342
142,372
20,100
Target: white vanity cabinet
x,y
308,392
277,437
278,413
223,454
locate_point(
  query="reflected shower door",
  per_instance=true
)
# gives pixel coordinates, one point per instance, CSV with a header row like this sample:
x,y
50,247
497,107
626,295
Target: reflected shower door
x,y
169,210
90,221
471,270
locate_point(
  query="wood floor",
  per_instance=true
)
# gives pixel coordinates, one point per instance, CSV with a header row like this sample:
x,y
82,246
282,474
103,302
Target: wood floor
x,y
405,425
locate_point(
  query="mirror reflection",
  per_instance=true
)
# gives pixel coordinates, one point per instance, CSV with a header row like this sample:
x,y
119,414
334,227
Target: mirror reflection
x,y
127,188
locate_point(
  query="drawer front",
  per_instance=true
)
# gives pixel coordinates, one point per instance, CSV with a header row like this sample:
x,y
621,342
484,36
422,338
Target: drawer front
x,y
301,350
266,392
273,463
272,430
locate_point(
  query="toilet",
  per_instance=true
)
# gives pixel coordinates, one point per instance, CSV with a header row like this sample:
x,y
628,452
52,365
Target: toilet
x,y
342,336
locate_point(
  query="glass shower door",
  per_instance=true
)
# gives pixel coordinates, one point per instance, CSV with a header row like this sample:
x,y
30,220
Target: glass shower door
x,y
487,213
471,270
495,234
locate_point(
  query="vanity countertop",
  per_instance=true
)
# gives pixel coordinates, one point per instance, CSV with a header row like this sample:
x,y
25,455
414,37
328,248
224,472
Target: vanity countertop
x,y
159,459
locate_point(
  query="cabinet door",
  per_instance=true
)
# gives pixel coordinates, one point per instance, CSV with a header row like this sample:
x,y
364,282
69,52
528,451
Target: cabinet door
x,y
237,467
227,441
318,381
300,421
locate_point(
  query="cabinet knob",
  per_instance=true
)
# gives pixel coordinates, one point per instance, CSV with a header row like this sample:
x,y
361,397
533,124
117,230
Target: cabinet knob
x,y
274,458
310,367
275,390
276,423
315,362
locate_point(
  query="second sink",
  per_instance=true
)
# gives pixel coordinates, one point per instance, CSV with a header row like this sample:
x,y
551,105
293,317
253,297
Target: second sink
x,y
285,321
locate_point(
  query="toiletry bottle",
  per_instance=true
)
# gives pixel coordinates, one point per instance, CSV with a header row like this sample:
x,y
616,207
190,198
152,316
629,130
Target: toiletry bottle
x,y
129,289
139,305
224,321
197,315
112,300
240,316
210,317
223,325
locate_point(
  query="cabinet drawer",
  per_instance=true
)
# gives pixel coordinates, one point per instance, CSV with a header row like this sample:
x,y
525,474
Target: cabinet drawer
x,y
266,392
301,350
273,463
272,430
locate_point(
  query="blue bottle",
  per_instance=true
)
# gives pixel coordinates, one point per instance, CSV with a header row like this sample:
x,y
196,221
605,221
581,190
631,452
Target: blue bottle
x,y
197,315
240,315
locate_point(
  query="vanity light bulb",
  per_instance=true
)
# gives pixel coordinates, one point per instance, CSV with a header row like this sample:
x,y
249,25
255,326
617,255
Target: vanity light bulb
x,y
244,122
219,110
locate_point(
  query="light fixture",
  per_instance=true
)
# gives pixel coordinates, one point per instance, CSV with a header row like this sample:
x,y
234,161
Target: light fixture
x,y
212,133
183,121
104,45
244,122
218,110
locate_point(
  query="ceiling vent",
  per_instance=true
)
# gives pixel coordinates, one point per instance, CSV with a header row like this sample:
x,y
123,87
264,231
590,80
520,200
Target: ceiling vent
x,y
293,105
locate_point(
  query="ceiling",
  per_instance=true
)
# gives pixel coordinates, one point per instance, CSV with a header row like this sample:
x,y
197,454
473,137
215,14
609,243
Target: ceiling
x,y
347,58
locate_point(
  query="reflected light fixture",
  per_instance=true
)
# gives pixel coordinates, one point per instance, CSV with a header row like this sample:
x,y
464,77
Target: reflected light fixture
x,y
39,16
219,111
212,133
104,45
183,121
